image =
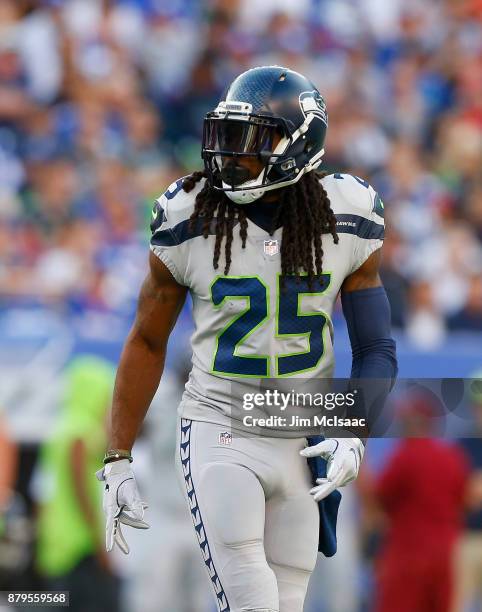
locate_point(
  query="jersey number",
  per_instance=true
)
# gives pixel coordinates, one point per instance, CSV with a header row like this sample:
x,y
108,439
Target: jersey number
x,y
290,321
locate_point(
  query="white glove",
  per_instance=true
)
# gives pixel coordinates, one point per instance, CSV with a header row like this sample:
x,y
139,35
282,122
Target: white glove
x,y
344,457
122,502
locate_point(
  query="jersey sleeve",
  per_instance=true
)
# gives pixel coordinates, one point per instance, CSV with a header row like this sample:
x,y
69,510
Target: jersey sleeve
x,y
359,212
371,226
166,234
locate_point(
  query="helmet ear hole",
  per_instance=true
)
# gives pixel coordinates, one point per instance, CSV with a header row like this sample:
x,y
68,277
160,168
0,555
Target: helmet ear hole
x,y
264,156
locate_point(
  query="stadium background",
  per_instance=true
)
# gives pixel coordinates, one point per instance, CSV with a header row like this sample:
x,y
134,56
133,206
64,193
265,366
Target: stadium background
x,y
101,107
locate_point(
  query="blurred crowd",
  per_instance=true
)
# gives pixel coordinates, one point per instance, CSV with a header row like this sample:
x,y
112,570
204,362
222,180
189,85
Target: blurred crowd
x,y
101,107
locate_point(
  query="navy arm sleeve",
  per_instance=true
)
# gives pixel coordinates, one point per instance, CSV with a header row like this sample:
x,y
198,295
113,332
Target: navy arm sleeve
x,y
367,314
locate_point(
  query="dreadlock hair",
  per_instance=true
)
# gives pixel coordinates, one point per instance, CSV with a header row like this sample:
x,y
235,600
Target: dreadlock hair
x,y
304,211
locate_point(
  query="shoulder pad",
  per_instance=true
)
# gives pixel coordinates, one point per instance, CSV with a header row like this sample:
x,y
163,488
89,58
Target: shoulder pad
x,y
173,206
352,194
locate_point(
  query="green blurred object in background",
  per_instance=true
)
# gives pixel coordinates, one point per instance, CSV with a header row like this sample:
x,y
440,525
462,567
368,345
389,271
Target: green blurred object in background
x,y
64,538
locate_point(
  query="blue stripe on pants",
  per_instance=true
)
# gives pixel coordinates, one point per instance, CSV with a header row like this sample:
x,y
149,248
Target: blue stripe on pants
x,y
185,454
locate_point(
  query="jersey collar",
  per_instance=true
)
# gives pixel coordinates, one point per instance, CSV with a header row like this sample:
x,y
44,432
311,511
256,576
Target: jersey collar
x,y
261,214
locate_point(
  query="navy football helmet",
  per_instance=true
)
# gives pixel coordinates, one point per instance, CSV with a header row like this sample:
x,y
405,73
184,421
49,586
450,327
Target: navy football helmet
x,y
270,113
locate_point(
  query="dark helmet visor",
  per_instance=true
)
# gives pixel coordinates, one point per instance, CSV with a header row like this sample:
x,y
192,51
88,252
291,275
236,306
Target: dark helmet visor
x,y
241,137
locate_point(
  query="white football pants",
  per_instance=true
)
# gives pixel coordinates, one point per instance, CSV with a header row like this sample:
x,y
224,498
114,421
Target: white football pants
x,y
255,521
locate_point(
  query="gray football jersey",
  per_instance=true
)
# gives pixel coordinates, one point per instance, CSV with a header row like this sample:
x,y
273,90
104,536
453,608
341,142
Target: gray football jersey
x,y
248,328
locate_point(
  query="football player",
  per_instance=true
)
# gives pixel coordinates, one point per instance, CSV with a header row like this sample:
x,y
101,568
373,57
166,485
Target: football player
x,y
264,244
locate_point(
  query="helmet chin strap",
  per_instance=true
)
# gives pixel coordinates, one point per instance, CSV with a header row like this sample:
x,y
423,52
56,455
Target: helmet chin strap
x,y
244,197
249,195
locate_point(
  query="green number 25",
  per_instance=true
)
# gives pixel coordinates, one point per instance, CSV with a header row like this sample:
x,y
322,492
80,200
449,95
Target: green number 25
x,y
290,321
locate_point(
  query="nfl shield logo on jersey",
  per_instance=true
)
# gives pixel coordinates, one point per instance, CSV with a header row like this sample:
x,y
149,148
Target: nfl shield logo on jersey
x,y
271,247
225,438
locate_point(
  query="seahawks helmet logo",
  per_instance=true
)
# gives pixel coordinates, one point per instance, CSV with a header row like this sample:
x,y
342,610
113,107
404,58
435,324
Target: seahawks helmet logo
x,y
312,102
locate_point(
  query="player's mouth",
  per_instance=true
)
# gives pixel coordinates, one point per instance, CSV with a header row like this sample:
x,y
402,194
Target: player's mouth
x,y
236,173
